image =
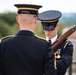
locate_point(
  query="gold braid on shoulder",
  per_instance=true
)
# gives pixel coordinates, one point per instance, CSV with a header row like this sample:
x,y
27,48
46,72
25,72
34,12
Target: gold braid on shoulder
x,y
40,37
6,37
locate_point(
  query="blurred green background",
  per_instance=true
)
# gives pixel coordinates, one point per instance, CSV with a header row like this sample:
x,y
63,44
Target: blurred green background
x,y
9,26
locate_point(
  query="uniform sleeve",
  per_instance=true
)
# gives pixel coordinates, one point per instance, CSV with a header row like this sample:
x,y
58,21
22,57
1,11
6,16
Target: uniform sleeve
x,y
0,61
66,59
49,62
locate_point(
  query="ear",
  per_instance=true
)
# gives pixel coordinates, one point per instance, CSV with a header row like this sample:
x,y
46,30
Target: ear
x,y
17,18
36,19
58,25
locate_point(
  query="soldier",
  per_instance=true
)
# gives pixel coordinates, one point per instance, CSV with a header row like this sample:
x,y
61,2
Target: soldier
x,y
50,25
24,53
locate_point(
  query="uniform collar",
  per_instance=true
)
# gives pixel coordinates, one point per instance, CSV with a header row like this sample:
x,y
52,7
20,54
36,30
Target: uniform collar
x,y
25,32
53,39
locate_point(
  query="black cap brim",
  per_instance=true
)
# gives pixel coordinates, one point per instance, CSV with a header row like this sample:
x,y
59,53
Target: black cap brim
x,y
27,9
28,5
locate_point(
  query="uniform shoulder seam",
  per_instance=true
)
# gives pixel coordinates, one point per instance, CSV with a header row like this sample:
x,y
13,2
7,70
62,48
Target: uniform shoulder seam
x,y
6,37
40,37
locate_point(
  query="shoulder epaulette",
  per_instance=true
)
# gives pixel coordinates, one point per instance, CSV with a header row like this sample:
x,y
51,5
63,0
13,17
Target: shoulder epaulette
x,y
66,43
0,40
40,37
6,37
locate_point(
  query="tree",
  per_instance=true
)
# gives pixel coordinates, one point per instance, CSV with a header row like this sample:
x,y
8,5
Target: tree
x,y
8,17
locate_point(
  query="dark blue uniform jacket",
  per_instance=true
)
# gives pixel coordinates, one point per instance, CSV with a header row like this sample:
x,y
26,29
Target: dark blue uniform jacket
x,y
25,54
65,50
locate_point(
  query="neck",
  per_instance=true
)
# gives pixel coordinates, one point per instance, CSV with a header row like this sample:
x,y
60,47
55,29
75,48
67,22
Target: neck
x,y
27,28
52,39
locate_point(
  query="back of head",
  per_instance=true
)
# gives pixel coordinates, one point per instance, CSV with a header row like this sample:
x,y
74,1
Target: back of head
x,y
25,19
27,13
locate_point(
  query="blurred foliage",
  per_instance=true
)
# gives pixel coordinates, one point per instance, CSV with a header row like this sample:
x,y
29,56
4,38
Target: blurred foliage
x,y
60,29
9,26
8,17
39,31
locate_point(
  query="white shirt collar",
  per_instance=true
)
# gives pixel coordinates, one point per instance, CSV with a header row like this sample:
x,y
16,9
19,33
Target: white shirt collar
x,y
53,39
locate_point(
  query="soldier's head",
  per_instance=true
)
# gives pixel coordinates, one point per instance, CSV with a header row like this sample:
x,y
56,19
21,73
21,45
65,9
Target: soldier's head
x,y
49,20
27,14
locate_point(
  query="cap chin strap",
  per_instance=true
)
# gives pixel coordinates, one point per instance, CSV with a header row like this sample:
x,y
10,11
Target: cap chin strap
x,y
27,12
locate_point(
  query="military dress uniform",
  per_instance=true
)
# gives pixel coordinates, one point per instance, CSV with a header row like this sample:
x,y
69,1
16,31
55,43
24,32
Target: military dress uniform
x,y
64,52
24,53
64,57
